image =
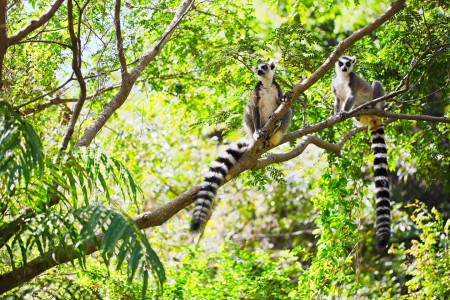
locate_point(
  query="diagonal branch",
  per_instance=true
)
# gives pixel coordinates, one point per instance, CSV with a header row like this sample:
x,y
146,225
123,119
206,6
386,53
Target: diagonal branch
x,y
302,85
128,82
14,39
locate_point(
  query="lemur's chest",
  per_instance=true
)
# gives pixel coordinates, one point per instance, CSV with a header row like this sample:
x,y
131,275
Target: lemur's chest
x,y
341,87
268,102
343,91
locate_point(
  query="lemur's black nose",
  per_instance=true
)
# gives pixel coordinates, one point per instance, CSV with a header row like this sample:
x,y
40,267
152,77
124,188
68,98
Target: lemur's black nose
x,y
344,69
260,72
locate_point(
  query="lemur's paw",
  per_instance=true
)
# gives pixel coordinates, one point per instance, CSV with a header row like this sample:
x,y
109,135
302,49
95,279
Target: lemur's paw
x,y
286,97
259,134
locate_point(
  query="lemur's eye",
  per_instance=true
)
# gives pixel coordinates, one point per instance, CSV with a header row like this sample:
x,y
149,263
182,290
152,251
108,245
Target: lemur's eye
x,y
340,64
264,67
348,64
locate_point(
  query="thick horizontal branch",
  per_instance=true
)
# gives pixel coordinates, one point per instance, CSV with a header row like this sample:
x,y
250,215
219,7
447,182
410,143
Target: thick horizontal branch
x,y
396,116
336,148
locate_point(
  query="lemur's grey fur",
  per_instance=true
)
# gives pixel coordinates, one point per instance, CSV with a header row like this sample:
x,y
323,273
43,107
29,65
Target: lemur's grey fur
x,y
266,97
351,91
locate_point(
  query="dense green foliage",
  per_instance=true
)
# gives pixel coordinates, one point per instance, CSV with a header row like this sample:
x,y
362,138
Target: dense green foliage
x,y
301,229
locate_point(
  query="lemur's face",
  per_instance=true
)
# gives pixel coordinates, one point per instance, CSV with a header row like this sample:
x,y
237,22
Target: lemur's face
x,y
345,64
266,69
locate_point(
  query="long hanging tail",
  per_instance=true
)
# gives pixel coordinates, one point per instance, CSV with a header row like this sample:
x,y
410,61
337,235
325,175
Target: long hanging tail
x,y
383,205
213,179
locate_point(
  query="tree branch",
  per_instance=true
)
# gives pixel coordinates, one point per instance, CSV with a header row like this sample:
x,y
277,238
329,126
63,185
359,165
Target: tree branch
x,y
43,106
397,116
45,42
14,39
164,213
76,66
302,85
46,94
310,139
3,39
57,100
121,54
60,256
128,82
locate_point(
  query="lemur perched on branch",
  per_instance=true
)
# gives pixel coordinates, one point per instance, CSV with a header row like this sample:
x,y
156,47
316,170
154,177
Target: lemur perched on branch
x,y
266,97
351,91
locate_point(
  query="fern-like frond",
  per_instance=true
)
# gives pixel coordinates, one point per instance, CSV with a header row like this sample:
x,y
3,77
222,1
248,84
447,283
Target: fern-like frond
x,y
79,177
21,155
116,236
56,287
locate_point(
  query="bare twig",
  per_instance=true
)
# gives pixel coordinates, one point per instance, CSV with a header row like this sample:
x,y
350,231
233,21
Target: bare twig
x,y
45,42
46,94
119,38
43,106
76,66
58,100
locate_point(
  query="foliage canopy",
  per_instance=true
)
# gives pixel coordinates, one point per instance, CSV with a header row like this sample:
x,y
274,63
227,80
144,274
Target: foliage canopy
x,y
110,111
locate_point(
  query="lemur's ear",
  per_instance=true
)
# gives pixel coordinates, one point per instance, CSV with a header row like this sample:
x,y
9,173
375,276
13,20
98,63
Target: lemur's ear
x,y
353,58
272,64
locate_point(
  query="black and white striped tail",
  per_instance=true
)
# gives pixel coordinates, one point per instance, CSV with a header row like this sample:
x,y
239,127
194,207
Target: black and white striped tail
x,y
213,179
382,200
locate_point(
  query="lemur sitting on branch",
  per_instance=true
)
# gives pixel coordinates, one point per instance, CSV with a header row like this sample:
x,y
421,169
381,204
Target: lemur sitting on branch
x,y
351,91
266,97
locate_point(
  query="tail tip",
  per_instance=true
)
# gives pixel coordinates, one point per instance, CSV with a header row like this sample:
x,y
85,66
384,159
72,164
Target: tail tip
x,y
382,242
196,226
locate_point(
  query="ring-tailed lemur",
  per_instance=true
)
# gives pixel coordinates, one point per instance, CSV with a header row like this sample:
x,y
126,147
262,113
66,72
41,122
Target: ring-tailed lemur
x,y
266,97
351,91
